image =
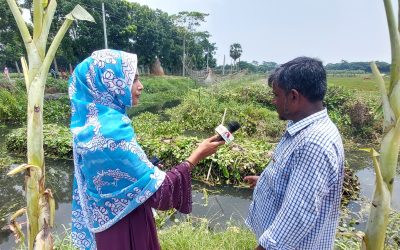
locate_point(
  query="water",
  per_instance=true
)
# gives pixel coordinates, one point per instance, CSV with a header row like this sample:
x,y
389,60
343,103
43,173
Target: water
x,y
219,204
59,177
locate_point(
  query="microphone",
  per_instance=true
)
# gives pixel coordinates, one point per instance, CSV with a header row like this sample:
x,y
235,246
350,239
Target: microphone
x,y
155,161
226,133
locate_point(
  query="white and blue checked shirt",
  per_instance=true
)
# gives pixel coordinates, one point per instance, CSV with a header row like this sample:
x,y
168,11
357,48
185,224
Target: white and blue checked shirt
x,y
297,198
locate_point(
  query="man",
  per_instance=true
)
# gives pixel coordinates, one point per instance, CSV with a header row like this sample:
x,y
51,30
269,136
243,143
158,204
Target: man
x,y
296,199
6,73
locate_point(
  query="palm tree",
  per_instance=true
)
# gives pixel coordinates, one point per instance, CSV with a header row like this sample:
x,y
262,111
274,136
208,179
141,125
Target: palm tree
x,y
235,52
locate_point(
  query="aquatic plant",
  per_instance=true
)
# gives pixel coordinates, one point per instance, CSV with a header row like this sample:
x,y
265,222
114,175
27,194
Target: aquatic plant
x,y
40,203
385,166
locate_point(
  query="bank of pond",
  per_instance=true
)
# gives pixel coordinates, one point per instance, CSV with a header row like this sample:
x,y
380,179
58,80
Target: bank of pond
x,y
217,220
173,116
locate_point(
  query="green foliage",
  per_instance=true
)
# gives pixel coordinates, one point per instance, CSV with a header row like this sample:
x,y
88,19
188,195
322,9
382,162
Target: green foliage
x,y
11,45
349,237
6,161
255,67
363,85
235,51
190,235
130,26
57,111
12,106
201,111
229,165
232,162
357,66
250,89
161,92
150,125
57,141
56,85
64,240
354,114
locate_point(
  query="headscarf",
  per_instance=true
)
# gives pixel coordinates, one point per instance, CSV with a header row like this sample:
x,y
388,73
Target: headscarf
x,y
112,173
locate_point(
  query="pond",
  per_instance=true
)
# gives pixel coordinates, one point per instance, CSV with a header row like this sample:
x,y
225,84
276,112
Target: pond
x,y
220,204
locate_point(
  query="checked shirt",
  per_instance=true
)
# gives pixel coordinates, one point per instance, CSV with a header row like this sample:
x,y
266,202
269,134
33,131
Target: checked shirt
x,y
297,197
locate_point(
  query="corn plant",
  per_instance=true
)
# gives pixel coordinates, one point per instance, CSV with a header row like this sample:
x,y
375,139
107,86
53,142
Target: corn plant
x,y
40,203
385,166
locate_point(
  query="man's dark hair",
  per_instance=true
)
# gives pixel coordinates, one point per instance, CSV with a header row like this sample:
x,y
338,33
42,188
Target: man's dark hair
x,y
304,74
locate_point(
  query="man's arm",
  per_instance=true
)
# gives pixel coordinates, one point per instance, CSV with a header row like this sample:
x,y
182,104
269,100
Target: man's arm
x,y
308,184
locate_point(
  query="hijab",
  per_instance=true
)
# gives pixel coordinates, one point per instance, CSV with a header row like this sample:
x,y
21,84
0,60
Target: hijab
x,y
112,175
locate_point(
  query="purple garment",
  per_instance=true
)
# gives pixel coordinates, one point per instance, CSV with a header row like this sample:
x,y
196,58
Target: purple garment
x,y
137,230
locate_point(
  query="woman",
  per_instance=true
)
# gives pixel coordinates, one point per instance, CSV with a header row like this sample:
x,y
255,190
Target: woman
x,y
115,185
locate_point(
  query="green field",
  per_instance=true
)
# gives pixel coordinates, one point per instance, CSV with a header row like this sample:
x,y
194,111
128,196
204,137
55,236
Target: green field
x,y
364,83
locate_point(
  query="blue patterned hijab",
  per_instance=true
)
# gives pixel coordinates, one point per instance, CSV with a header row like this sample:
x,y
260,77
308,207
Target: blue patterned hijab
x,y
112,173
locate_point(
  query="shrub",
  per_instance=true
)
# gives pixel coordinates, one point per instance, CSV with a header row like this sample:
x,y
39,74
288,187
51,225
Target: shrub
x,y
57,141
12,106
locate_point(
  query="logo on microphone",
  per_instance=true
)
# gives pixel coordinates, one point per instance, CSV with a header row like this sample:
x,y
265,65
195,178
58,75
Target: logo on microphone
x,y
224,133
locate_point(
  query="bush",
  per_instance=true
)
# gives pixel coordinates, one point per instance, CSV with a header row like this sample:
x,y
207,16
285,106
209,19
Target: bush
x,y
229,165
201,111
12,106
353,114
57,141
160,93
56,85
57,111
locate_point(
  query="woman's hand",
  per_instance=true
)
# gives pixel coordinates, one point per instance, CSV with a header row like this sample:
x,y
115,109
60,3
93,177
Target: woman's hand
x,y
251,180
206,148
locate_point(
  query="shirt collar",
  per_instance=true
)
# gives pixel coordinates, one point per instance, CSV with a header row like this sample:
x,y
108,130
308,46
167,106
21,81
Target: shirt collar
x,y
294,127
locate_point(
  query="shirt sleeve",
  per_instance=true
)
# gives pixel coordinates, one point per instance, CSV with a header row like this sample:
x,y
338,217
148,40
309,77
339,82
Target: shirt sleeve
x,y
175,191
308,184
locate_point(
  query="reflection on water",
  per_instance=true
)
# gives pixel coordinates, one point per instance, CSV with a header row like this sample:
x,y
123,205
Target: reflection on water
x,y
219,204
58,178
367,180
361,162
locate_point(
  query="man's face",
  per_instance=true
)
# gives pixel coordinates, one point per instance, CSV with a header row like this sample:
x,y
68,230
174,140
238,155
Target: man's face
x,y
137,88
280,101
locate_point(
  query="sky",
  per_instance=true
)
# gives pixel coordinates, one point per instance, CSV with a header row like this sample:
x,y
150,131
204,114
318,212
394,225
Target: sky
x,y
280,30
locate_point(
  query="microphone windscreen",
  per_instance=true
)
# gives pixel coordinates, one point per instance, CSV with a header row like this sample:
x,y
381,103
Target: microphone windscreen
x,y
233,126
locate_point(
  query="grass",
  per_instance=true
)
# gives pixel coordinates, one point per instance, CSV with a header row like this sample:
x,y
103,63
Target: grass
x,y
187,236
196,234
365,85
161,92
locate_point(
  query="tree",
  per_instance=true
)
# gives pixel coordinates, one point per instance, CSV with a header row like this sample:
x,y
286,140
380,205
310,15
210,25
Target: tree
x,y
200,50
131,27
11,44
40,203
188,21
235,52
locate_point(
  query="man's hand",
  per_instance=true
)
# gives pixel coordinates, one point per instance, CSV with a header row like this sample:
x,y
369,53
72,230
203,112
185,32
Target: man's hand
x,y
251,180
259,248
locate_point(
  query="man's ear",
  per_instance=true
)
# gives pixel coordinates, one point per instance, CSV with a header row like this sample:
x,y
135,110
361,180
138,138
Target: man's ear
x,y
294,95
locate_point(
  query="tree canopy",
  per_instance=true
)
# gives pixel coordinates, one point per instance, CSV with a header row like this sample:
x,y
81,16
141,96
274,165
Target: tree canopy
x,y
137,29
235,51
357,66
131,27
